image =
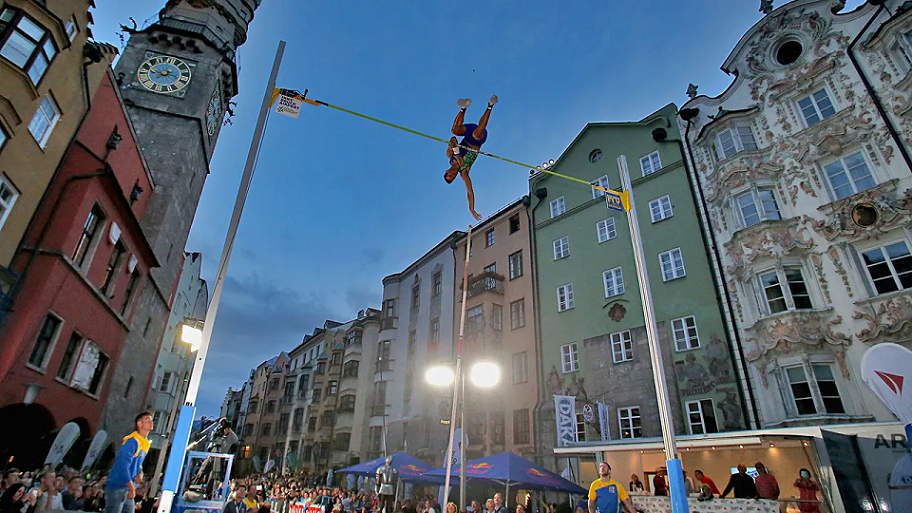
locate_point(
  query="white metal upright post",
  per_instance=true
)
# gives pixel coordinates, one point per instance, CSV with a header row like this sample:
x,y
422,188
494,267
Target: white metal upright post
x,y
673,463
188,410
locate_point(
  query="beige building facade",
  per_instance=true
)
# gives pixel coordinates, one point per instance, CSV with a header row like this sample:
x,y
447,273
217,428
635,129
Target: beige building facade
x,y
499,328
46,83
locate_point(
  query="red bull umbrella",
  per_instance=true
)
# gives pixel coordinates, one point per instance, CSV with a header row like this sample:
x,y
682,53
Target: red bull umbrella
x,y
511,470
410,468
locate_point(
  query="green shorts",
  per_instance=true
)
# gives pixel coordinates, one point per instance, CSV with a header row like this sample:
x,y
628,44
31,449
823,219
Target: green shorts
x,y
468,160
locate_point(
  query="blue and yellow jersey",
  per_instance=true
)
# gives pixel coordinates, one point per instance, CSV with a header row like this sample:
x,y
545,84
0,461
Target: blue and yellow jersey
x,y
606,496
129,460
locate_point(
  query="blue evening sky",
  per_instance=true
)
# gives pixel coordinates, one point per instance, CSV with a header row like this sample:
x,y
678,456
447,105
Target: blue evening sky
x,y
338,202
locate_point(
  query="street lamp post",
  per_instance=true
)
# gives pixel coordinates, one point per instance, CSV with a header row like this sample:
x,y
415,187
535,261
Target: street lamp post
x,y
190,333
482,375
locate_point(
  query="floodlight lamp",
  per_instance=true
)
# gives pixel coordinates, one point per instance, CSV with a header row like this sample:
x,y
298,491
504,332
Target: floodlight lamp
x,y
485,374
440,376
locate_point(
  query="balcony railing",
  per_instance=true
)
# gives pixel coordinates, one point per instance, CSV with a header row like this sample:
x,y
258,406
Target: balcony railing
x,y
389,323
378,410
296,428
486,282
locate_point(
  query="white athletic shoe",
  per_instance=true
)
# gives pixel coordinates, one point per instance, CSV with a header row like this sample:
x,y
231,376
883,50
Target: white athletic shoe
x,y
463,103
493,100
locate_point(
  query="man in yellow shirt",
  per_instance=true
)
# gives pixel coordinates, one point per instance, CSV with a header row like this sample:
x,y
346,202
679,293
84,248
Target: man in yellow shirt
x,y
607,495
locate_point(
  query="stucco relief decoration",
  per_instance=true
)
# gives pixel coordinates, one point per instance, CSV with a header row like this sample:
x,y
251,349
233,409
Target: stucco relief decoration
x,y
833,139
776,336
787,21
821,279
766,240
840,270
892,212
740,171
733,289
577,389
887,320
617,312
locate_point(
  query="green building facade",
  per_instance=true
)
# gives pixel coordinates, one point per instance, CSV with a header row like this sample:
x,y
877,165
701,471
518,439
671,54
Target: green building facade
x,y
588,308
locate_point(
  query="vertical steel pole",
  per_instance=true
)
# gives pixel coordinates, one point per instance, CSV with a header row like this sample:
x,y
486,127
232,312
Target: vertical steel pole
x,y
188,410
673,463
462,448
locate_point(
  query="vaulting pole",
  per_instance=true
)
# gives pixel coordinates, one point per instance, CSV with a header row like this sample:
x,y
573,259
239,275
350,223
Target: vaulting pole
x,y
449,453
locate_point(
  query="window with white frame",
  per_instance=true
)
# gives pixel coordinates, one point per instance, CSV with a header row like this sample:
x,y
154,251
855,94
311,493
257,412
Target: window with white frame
x,y
520,367
629,422
580,427
569,358
558,207
28,45
561,248
71,29
565,297
735,139
489,238
701,416
44,342
516,265
849,175
901,51
816,107
685,333
785,289
672,264
601,181
614,282
889,267
622,346
660,208
90,370
650,163
44,121
517,314
606,230
813,389
8,197
757,205
497,317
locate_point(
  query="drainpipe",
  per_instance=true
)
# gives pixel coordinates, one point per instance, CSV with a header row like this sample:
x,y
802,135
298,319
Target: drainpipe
x,y
744,384
871,93
541,193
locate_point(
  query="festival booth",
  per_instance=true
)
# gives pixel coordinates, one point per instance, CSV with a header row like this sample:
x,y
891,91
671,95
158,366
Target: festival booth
x,y
511,471
852,463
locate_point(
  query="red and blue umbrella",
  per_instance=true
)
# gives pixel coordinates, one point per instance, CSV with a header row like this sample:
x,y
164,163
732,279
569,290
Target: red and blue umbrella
x,y
511,470
410,468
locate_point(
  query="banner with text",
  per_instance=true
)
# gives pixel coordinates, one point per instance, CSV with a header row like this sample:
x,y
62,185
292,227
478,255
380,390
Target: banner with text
x,y
565,415
289,106
603,422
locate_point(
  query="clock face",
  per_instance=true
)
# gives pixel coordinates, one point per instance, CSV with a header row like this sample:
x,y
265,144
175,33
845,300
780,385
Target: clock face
x,y
164,74
214,112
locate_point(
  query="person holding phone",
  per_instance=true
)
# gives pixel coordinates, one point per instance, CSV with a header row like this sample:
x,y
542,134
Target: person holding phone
x,y
807,489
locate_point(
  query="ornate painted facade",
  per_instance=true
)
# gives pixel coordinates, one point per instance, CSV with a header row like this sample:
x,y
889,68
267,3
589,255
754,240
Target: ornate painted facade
x,y
807,195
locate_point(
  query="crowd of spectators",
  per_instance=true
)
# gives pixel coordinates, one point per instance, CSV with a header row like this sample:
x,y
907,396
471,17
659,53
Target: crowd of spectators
x,y
60,489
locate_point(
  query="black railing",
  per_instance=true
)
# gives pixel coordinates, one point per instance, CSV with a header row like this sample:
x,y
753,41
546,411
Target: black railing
x,y
486,282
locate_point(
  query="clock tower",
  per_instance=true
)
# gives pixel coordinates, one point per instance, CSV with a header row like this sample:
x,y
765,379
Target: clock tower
x,y
176,78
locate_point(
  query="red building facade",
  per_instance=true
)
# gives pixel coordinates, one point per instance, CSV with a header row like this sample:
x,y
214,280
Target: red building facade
x,y
83,262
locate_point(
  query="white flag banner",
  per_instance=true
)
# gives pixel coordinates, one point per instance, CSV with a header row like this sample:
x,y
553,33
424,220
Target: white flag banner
x,y
604,425
565,416
62,444
458,439
98,445
886,368
289,106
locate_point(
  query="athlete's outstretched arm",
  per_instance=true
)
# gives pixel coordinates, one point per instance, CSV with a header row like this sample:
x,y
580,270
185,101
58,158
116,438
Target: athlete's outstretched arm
x,y
470,193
